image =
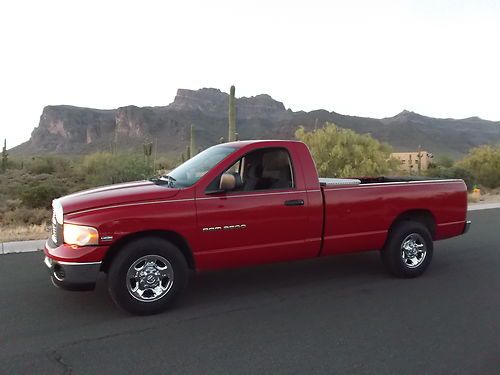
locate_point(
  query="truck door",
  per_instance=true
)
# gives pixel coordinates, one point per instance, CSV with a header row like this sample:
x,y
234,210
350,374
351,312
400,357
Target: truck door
x,y
264,219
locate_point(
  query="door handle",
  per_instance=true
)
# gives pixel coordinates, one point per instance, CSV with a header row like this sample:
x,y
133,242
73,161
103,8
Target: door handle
x,y
294,202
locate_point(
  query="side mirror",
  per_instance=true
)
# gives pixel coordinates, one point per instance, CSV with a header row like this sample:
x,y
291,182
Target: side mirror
x,y
227,182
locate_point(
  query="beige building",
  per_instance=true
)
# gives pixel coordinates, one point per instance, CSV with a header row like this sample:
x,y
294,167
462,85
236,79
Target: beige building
x,y
413,162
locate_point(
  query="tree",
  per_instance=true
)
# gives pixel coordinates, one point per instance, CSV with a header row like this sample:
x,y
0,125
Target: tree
x,y
232,115
342,152
41,195
4,156
483,163
444,167
444,161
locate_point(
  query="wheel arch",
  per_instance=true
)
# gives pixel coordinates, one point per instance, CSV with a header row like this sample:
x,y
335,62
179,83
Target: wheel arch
x,y
422,216
175,238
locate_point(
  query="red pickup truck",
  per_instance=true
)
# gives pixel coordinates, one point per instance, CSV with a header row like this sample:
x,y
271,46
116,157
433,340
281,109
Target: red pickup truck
x,y
240,204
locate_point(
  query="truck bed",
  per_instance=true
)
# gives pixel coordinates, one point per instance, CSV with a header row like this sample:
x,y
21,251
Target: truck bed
x,y
360,211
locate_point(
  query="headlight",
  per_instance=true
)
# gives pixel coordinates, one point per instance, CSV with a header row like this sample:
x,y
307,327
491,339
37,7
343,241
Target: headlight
x,y
58,210
80,235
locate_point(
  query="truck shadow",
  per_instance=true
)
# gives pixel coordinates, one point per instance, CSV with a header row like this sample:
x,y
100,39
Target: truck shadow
x,y
225,289
280,280
284,279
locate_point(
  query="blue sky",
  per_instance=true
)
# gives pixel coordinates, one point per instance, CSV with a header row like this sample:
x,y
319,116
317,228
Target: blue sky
x,y
367,58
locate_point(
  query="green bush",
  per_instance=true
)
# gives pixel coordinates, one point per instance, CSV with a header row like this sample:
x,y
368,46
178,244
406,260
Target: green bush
x,y
46,164
443,161
452,172
483,163
104,168
342,152
38,165
41,196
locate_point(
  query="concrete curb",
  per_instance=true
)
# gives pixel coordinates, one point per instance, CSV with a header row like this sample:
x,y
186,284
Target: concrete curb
x,y
21,246
483,206
37,245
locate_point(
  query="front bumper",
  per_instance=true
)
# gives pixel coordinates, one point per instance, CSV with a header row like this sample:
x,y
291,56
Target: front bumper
x,y
73,276
72,273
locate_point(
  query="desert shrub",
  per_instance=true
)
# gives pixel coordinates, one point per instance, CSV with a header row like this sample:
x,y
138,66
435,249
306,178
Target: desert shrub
x,y
46,164
26,216
12,204
104,168
452,172
164,163
38,165
41,195
443,161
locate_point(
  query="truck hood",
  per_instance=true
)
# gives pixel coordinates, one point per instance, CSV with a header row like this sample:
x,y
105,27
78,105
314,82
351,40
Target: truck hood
x,y
131,192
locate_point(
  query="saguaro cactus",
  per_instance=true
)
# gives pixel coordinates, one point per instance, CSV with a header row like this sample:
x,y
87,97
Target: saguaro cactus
x,y
4,156
232,115
419,156
192,143
147,148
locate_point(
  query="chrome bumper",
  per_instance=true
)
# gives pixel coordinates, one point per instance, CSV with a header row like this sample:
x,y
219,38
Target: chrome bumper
x,y
73,276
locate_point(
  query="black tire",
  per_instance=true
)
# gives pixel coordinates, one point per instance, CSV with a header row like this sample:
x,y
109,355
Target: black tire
x,y
149,255
414,261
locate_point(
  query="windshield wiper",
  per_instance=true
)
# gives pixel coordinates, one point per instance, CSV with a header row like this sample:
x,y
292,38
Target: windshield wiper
x,y
166,179
170,180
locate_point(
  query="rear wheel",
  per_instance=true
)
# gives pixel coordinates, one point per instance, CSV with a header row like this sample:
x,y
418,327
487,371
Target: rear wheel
x,y
146,276
409,249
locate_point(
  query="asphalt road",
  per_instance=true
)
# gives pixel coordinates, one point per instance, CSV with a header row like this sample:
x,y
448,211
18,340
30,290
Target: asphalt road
x,y
325,316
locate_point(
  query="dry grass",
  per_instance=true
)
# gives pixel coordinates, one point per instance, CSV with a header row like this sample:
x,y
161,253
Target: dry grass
x,y
23,233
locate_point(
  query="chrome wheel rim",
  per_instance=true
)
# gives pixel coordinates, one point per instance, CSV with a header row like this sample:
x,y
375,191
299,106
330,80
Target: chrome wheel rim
x,y
413,250
150,278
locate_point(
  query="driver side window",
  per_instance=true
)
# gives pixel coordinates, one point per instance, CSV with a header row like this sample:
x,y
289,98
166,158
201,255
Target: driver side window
x,y
263,169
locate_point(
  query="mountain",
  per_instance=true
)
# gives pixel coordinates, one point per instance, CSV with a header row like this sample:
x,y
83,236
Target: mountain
x,y
73,130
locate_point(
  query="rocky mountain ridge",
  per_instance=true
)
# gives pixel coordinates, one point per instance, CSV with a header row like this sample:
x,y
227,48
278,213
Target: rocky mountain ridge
x,y
67,129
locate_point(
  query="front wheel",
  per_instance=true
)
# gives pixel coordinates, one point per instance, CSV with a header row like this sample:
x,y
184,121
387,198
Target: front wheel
x,y
408,251
147,275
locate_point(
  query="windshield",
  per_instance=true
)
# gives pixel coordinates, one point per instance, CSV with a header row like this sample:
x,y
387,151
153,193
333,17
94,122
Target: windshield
x,y
192,170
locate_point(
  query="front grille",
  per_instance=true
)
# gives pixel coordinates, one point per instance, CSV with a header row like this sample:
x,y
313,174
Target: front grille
x,y
56,231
